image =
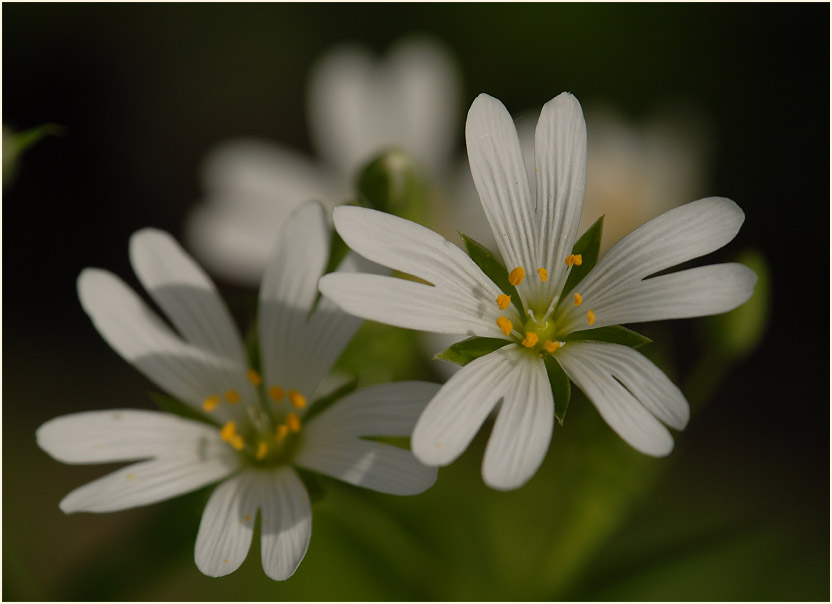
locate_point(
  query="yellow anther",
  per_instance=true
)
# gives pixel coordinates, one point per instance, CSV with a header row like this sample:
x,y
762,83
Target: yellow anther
x,y
590,317
293,421
516,276
232,396
228,431
578,299
544,274
578,259
253,377
130,476
530,339
503,301
247,517
575,259
237,442
551,346
262,450
282,432
297,399
210,403
505,325
276,393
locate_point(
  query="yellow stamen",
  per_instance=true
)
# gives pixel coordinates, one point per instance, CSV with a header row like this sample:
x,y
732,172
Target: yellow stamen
x,y
232,396
516,276
578,299
551,346
530,340
262,450
293,421
297,399
247,517
544,274
237,442
228,431
210,403
253,377
276,393
503,301
590,317
282,432
575,259
505,325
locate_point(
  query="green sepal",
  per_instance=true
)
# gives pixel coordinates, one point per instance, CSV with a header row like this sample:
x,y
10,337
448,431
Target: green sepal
x,y
174,406
467,350
616,334
313,483
561,389
589,247
401,442
493,268
392,182
323,403
252,344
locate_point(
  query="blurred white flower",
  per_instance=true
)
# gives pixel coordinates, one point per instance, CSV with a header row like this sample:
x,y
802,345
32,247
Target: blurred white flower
x,y
255,430
536,240
358,107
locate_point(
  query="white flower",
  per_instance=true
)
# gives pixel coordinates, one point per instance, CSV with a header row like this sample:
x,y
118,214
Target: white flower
x,y
256,431
358,107
535,240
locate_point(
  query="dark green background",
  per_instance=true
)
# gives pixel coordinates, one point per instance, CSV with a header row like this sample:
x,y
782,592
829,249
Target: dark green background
x,y
739,511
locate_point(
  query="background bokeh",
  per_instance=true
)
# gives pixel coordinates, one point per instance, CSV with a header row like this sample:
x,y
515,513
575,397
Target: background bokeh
x,y
740,510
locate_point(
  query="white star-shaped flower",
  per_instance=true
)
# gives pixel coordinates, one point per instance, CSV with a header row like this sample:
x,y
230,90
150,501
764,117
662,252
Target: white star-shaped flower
x,y
358,106
256,430
536,241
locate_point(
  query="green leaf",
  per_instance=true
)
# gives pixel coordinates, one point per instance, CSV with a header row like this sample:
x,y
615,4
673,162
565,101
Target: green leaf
x,y
617,334
588,246
466,351
174,406
328,400
313,483
15,143
492,267
561,389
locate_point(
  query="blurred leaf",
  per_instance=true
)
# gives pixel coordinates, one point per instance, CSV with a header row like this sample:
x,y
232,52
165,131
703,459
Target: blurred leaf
x,y
253,346
737,333
393,183
174,406
338,250
561,389
313,483
15,143
492,267
467,350
617,334
588,246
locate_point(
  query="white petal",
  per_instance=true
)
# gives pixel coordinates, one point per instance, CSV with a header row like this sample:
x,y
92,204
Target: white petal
x,y
152,481
456,413
286,523
327,333
252,188
125,435
414,305
679,235
625,400
185,293
560,160
289,288
500,177
227,524
141,338
369,464
523,429
411,248
696,292
382,410
426,89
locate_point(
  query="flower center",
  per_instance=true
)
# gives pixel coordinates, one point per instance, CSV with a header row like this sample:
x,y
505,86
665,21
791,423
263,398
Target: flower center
x,y
267,433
